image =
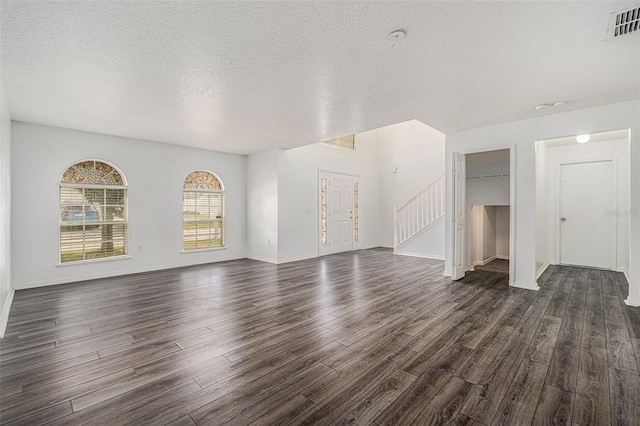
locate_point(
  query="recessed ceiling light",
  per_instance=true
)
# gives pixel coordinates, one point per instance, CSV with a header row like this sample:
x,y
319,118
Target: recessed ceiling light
x,y
559,103
583,138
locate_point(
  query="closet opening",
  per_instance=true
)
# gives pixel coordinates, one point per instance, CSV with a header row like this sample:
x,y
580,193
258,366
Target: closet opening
x,y
490,238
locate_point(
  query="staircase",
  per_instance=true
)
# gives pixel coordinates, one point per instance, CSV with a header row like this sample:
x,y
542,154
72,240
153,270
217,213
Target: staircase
x,y
419,212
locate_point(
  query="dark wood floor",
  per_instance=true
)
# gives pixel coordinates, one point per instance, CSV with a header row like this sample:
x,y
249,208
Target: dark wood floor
x,y
500,266
365,338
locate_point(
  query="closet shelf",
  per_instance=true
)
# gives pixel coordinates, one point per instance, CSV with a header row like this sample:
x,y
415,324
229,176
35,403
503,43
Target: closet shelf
x,y
489,176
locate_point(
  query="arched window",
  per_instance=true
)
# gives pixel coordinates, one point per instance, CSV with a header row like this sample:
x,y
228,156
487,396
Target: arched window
x,y
93,212
202,211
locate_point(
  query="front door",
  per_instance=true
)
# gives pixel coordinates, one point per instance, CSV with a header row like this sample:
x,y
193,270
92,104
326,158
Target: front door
x,y
336,213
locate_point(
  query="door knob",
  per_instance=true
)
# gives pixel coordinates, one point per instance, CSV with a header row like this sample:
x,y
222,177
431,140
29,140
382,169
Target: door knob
x,y
563,219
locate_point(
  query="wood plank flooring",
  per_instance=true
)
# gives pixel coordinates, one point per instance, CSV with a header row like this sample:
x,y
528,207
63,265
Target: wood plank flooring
x,y
356,338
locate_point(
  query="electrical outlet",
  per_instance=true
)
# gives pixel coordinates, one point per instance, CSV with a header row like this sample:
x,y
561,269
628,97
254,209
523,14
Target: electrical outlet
x,y
139,247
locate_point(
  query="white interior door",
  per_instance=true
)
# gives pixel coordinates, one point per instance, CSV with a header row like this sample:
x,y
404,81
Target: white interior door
x,y
459,206
587,233
338,222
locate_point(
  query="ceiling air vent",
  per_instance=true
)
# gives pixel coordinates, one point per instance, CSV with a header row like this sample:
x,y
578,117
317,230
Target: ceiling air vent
x,y
347,142
625,22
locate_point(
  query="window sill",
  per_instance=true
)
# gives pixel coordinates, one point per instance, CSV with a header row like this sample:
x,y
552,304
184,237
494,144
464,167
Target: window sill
x,y
203,249
84,262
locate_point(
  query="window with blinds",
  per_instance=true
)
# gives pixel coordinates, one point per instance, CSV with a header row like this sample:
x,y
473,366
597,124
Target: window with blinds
x,y
93,212
202,211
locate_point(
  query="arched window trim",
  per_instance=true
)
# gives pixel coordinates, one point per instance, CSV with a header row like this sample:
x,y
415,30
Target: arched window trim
x,y
217,178
125,184
221,191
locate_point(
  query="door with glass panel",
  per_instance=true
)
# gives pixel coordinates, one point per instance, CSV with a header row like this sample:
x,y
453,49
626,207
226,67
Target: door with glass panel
x,y
338,212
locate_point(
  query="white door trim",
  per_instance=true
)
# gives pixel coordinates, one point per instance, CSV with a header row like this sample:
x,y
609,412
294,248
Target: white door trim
x,y
458,268
614,189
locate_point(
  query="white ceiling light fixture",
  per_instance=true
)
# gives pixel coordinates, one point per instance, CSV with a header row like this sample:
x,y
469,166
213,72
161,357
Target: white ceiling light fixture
x,y
583,138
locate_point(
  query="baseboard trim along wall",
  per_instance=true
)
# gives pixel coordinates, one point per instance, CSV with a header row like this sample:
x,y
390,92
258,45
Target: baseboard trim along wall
x,y
44,283
4,319
541,270
632,302
527,286
424,256
263,259
297,258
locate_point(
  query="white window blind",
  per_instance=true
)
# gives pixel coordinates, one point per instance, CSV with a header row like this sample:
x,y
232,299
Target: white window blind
x,y
93,212
202,211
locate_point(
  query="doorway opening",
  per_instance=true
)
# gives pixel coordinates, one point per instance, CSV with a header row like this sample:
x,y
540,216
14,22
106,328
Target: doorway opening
x,y
484,218
583,201
490,238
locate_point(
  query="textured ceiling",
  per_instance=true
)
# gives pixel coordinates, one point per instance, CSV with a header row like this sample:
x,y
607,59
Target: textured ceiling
x,y
242,77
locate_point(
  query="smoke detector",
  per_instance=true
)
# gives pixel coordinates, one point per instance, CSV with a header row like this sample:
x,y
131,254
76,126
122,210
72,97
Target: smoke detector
x,y
624,22
396,36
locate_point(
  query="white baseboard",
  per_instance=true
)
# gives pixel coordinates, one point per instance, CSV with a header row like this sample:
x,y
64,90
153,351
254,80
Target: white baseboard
x,y
541,270
76,278
263,259
422,255
4,318
528,286
632,302
502,257
483,262
295,259
626,274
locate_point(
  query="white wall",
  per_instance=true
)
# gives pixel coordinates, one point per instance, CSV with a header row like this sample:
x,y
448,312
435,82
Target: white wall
x,y
418,152
489,191
614,149
522,135
488,232
5,210
428,244
502,231
262,206
155,174
298,199
416,149
476,235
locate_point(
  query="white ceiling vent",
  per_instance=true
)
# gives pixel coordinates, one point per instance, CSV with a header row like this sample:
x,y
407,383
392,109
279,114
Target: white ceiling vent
x,y
624,22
